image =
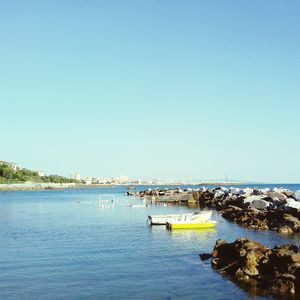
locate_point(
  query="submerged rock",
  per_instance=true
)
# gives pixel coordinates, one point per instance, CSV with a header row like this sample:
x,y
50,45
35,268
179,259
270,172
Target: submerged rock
x,y
205,256
276,270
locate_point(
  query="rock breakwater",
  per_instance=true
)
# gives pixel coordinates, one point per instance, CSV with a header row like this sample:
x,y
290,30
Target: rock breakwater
x,y
274,209
274,270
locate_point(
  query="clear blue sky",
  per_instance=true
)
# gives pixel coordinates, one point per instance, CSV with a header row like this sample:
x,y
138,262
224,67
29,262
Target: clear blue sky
x,y
169,89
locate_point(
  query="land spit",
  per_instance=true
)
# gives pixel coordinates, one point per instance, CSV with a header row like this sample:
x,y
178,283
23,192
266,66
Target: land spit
x,y
274,209
35,186
259,269
6,187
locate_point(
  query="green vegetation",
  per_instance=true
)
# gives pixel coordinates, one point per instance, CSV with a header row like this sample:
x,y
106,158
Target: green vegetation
x,y
9,175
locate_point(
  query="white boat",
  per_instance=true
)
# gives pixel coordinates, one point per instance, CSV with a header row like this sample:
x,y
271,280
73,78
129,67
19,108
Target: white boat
x,y
201,216
138,205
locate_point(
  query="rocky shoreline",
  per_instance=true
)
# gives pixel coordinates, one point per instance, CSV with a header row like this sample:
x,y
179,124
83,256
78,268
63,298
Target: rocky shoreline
x,y
265,209
259,269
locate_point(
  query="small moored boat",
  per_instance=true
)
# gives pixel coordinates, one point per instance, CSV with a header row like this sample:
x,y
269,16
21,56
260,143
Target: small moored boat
x,y
200,216
131,187
138,205
196,220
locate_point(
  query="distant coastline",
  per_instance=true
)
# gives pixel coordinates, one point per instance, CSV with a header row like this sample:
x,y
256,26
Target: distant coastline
x,y
4,187
59,186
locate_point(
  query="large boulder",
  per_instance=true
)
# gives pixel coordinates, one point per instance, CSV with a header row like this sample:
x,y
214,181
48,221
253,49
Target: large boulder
x,y
257,201
236,191
265,191
260,204
258,267
239,259
291,203
219,194
234,201
277,196
247,192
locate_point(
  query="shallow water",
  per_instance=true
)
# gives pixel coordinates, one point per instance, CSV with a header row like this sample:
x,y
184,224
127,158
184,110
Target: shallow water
x,y
63,245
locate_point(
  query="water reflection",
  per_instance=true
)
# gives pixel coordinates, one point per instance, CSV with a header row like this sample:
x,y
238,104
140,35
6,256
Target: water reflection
x,y
192,232
253,291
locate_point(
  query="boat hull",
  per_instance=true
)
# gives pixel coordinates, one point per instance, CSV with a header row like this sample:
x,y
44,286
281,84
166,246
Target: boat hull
x,y
138,205
182,225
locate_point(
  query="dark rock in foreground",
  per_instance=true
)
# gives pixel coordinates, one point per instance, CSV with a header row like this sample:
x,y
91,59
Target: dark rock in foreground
x,y
254,266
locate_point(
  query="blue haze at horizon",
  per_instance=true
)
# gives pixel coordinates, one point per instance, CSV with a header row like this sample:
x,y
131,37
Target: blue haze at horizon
x,y
152,89
55,247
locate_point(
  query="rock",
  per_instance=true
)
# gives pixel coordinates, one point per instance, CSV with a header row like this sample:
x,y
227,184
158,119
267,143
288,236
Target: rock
x,y
277,195
297,195
250,199
274,219
250,217
265,191
291,203
289,194
219,194
235,191
234,201
205,256
256,192
227,257
130,193
292,222
258,267
191,199
196,195
247,192
285,230
260,204
295,258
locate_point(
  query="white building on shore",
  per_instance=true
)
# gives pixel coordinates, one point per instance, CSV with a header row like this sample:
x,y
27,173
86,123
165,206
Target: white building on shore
x,y
87,180
122,179
41,173
76,176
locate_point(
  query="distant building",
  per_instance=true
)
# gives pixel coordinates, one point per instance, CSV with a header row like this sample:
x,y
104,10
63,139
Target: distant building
x,y
87,180
155,181
102,180
41,174
10,164
122,179
76,176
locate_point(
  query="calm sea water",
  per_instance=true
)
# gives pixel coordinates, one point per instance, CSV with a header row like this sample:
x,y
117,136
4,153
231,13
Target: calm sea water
x,y
62,245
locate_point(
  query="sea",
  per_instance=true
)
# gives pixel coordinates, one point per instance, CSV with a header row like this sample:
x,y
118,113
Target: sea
x,y
66,244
